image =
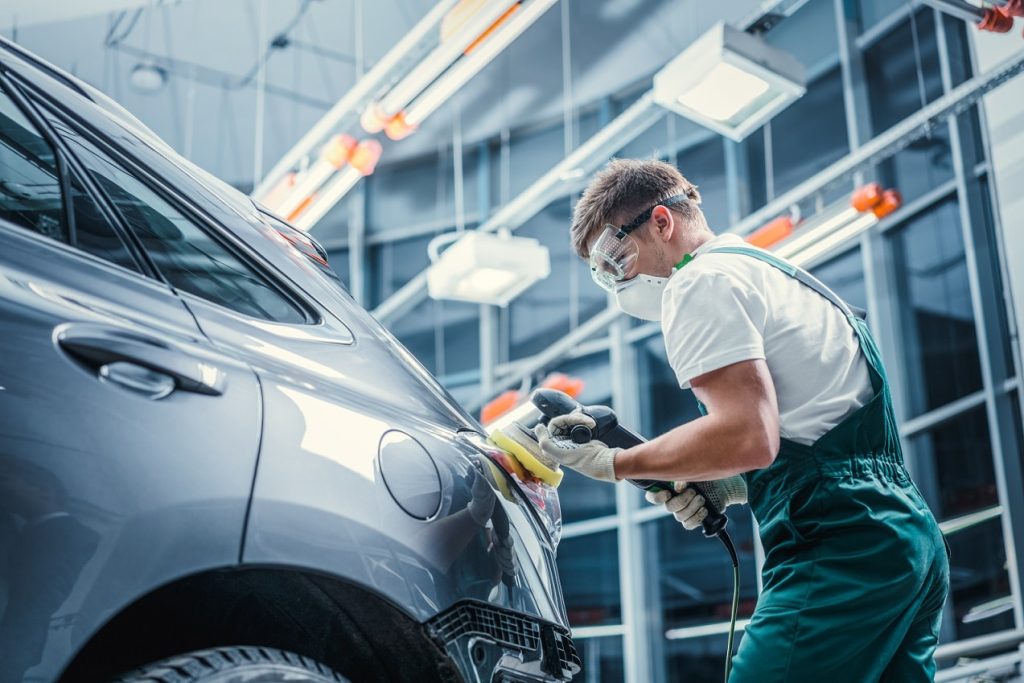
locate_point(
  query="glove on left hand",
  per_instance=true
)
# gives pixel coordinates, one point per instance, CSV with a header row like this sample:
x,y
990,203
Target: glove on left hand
x,y
689,507
594,458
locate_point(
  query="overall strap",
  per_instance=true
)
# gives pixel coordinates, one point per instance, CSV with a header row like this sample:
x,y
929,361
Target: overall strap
x,y
855,317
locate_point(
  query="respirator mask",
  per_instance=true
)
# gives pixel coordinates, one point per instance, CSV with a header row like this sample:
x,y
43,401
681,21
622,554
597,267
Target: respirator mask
x,y
613,262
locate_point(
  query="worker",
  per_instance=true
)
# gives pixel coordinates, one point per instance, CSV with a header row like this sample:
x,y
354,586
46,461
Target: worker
x,y
797,416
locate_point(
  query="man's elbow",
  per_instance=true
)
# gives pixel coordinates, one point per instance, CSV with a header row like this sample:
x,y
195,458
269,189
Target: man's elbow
x,y
761,445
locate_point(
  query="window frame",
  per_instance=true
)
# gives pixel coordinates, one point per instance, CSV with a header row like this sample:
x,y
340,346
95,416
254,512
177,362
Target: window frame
x,y
247,256
66,165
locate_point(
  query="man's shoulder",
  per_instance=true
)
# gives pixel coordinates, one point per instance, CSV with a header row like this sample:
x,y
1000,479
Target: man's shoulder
x,y
713,269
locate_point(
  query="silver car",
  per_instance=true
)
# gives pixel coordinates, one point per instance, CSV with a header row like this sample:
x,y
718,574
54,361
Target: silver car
x,y
214,465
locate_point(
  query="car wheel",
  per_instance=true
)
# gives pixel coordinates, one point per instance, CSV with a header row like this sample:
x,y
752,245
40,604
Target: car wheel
x,y
238,663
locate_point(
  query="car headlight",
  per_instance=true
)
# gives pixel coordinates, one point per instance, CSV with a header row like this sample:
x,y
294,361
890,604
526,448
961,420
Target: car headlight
x,y
543,497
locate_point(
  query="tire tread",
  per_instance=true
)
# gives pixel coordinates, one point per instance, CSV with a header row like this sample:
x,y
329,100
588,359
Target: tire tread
x,y
193,666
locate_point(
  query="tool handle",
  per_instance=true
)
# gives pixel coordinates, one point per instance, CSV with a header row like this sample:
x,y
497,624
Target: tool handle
x,y
713,524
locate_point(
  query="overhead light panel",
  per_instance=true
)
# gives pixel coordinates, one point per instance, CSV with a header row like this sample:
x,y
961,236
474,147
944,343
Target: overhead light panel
x,y
729,81
486,268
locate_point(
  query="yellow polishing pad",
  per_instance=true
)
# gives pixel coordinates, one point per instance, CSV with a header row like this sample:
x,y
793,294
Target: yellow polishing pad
x,y
526,458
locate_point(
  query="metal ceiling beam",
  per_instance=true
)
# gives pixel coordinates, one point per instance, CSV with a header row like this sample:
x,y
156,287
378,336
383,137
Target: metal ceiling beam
x,y
563,178
890,142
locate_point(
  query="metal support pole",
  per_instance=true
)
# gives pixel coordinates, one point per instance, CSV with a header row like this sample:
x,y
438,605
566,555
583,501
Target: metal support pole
x,y
636,645
986,300
488,348
489,345
357,244
737,186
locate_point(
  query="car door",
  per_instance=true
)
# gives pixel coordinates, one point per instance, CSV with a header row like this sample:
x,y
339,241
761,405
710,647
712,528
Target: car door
x,y
127,442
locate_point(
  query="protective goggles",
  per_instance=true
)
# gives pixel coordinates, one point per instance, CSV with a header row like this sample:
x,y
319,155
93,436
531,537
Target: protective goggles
x,y
613,255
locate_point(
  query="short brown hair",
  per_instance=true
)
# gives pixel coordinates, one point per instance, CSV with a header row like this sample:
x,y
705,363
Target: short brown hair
x,y
623,189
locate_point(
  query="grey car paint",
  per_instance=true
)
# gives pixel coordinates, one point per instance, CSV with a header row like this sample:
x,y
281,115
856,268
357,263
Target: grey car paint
x,y
100,505
152,490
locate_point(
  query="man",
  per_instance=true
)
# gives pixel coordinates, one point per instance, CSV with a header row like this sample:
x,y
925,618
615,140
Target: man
x,y
796,410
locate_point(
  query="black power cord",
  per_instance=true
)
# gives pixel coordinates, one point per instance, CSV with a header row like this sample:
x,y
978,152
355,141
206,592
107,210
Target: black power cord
x,y
723,536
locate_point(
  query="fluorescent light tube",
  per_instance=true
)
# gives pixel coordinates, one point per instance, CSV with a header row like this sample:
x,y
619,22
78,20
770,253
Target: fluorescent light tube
x,y
440,58
829,242
817,227
441,90
704,630
334,190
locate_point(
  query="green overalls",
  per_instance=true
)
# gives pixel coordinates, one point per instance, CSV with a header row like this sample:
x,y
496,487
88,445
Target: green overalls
x,y
856,570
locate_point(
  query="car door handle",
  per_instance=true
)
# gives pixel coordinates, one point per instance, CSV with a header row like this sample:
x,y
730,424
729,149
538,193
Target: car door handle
x,y
101,348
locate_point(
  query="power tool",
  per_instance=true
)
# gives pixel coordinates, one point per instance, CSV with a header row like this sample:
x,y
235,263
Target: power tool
x,y
514,433
552,403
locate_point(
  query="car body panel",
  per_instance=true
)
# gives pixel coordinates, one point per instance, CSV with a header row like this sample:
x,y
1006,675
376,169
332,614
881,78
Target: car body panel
x,y
163,486
112,493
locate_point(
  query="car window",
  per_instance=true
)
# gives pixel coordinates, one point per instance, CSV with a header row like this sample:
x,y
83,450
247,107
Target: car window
x,y
187,256
31,194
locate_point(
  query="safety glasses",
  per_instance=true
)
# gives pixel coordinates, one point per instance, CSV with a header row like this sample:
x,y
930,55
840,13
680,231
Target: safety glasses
x,y
614,254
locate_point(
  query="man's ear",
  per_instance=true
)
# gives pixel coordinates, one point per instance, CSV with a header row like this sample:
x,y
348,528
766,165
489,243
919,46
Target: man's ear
x,y
665,223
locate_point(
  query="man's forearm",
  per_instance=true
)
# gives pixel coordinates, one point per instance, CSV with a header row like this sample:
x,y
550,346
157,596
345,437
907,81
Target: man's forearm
x,y
705,449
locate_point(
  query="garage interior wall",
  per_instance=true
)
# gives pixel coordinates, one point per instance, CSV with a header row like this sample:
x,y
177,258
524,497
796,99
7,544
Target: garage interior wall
x,y
942,281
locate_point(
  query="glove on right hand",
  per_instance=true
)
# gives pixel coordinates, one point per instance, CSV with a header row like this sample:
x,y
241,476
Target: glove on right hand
x,y
689,507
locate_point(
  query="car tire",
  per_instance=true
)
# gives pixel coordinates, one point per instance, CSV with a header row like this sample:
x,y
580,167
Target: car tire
x,y
236,663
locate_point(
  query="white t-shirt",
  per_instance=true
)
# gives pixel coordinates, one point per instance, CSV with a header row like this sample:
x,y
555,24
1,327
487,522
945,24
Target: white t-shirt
x,y
721,309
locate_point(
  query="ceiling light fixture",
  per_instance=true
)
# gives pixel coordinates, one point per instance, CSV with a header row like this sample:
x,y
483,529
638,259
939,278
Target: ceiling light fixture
x,y
148,77
485,268
729,81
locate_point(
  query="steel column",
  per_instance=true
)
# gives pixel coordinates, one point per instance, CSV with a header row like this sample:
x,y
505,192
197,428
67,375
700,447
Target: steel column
x,y
357,244
986,287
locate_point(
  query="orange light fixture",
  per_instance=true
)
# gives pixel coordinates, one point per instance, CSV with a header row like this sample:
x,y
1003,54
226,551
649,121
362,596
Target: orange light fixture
x,y
398,128
772,232
890,201
573,386
338,150
866,197
365,156
500,405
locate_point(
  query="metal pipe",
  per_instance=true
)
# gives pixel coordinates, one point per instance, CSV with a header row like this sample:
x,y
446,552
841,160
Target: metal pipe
x,y
958,9
1002,664
980,645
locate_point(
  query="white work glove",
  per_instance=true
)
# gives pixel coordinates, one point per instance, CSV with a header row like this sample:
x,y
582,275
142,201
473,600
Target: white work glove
x,y
594,459
689,507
